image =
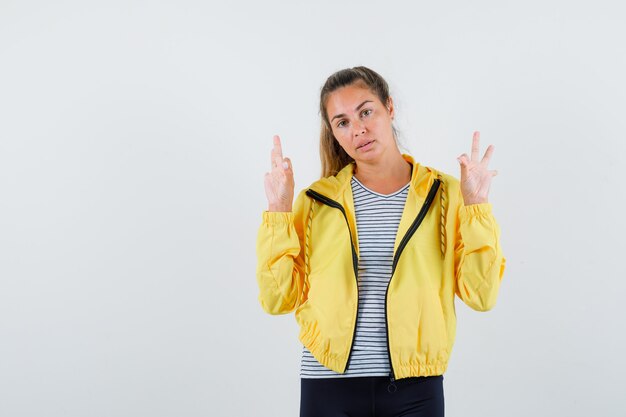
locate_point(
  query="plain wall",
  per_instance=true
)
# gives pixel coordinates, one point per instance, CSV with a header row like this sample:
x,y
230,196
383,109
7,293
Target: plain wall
x,y
133,141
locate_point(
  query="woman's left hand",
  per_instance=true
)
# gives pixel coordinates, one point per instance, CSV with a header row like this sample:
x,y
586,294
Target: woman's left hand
x,y
475,177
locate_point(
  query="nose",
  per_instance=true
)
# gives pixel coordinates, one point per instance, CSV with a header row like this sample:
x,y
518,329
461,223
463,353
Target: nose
x,y
359,128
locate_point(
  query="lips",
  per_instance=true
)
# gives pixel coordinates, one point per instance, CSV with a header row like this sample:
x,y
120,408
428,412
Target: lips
x,y
365,144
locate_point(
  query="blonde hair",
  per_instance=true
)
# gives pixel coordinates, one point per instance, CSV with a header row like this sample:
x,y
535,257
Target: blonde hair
x,y
332,155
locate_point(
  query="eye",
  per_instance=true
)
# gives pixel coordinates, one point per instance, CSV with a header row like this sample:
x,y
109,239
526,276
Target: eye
x,y
366,112
340,124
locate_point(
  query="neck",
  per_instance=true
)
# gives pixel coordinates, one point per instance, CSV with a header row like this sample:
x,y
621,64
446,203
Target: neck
x,y
393,169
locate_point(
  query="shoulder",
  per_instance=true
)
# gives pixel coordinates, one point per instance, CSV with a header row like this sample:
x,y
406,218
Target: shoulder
x,y
425,174
332,186
449,183
449,180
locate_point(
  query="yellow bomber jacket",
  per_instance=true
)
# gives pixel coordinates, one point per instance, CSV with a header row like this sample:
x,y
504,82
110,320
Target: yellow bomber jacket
x,y
308,263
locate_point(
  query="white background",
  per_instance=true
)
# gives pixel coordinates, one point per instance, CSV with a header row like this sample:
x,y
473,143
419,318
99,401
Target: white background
x,y
134,139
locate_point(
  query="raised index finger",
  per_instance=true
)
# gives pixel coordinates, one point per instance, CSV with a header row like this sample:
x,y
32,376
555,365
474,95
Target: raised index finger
x,y
475,146
277,152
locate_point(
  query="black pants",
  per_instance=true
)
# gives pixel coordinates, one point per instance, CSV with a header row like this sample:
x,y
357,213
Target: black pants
x,y
372,397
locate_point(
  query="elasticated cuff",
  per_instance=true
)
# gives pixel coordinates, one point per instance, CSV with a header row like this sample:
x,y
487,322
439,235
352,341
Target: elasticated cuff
x,y
474,210
277,217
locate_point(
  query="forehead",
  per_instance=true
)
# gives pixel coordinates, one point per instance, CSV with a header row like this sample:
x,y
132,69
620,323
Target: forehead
x,y
345,99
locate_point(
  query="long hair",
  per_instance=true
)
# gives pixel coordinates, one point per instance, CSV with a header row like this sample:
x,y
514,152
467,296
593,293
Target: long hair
x,y
332,155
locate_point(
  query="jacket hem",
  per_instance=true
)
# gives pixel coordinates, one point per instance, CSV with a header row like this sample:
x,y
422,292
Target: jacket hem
x,y
419,369
334,362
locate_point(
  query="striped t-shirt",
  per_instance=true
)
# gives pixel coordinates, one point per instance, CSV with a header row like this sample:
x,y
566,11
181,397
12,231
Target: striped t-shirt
x,y
377,219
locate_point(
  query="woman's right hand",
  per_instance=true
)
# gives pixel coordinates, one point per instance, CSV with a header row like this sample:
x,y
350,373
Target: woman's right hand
x,y
279,182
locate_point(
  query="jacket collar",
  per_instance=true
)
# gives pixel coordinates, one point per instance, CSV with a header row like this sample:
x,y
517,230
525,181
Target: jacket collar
x,y
335,187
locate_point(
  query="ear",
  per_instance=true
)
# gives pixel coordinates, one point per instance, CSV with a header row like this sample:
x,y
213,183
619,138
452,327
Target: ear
x,y
390,107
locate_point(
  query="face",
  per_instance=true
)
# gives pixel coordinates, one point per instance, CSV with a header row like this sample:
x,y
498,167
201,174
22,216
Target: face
x,y
361,123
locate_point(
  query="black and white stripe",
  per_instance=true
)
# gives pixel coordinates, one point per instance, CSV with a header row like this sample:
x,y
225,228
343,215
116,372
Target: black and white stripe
x,y
377,217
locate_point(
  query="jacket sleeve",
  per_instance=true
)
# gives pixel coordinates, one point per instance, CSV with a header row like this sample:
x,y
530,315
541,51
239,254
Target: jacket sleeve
x,y
478,260
280,258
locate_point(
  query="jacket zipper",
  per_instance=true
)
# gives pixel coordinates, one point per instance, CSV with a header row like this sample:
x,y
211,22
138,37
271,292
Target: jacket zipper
x,y
405,240
355,260
416,223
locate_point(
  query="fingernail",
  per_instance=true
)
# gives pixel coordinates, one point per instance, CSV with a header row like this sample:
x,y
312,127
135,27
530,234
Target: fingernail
x,y
285,165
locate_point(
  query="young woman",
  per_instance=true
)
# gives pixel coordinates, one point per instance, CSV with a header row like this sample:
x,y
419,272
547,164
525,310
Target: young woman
x,y
371,256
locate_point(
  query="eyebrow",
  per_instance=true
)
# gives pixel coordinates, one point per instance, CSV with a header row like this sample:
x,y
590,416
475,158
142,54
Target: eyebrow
x,y
357,109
